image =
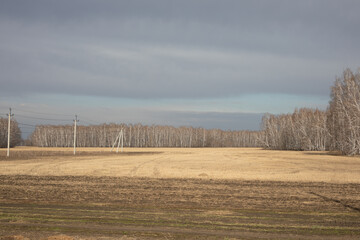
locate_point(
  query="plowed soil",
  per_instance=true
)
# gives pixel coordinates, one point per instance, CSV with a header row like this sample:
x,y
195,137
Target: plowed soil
x,y
135,207
144,208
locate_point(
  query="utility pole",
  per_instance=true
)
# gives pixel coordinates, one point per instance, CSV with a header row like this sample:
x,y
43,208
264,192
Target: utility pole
x,y
75,122
119,137
8,145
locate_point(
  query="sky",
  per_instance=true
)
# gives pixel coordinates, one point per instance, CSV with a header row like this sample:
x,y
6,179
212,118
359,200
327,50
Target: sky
x,y
202,63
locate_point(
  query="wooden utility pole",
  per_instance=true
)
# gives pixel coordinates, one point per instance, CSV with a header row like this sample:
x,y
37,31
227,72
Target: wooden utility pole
x,y
75,122
120,136
8,145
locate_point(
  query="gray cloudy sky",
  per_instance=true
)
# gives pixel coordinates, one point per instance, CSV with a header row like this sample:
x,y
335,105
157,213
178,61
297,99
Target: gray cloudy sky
x,y
198,62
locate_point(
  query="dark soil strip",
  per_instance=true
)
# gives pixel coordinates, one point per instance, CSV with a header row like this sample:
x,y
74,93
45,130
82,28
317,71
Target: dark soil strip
x,y
336,201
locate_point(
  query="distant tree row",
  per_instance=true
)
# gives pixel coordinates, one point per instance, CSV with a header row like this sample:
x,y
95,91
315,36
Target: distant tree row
x,y
15,133
305,129
139,135
336,129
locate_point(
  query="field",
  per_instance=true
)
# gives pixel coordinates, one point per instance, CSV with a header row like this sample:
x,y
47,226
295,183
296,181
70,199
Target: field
x,y
172,193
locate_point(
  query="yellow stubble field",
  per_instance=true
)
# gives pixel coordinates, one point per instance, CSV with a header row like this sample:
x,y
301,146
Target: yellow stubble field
x,y
209,163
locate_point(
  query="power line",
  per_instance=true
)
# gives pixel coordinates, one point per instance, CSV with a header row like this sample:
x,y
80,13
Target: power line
x,y
27,128
55,114
84,121
48,119
89,121
26,124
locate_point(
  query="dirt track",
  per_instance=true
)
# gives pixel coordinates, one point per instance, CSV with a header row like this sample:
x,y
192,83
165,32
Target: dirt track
x,y
146,208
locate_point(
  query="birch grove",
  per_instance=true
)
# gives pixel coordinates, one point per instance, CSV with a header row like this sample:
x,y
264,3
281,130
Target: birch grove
x,y
305,129
344,114
336,129
139,135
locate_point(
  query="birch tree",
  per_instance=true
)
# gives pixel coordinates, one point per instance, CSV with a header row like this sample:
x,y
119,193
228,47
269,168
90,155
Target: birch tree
x,y
344,114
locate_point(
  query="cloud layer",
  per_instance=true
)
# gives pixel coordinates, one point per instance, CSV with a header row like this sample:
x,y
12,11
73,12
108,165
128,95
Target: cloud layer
x,y
176,49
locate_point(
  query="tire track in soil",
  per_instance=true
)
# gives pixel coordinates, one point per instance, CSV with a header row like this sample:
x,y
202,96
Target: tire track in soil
x,y
53,165
335,201
156,172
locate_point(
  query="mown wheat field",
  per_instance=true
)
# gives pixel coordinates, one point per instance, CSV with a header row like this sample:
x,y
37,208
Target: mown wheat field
x,y
216,163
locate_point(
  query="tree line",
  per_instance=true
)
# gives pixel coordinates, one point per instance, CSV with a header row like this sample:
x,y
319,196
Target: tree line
x,y
336,129
139,135
15,133
305,129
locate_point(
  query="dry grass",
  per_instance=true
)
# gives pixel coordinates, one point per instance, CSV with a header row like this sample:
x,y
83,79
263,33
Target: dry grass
x,y
214,163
